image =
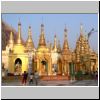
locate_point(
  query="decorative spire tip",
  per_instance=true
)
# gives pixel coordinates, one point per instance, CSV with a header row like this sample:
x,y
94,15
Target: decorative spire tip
x,y
19,23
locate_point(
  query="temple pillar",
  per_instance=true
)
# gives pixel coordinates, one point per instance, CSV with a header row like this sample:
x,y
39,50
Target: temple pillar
x,y
49,67
38,66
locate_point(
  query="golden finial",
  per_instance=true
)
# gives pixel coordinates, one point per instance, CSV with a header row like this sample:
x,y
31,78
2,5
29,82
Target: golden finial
x,y
29,32
55,43
42,28
29,43
59,47
65,45
65,30
81,28
19,41
19,23
29,35
11,39
42,38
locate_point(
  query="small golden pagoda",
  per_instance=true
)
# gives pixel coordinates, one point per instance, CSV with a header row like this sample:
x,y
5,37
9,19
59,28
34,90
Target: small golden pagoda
x,y
43,55
56,58
84,56
29,42
66,55
18,59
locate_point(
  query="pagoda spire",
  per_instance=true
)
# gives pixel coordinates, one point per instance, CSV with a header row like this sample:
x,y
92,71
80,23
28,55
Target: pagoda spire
x,y
55,43
19,40
29,43
59,47
65,45
81,29
11,39
42,38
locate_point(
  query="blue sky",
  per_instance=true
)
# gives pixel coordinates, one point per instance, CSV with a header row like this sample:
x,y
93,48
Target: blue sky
x,y
55,24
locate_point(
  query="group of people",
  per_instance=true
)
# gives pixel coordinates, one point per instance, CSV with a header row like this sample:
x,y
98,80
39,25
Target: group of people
x,y
32,77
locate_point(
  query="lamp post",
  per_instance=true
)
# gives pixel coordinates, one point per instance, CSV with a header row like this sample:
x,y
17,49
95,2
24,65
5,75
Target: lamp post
x,y
72,68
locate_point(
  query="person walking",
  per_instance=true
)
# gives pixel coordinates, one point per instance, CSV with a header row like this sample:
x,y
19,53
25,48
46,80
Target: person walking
x,y
16,75
31,78
36,77
3,76
24,79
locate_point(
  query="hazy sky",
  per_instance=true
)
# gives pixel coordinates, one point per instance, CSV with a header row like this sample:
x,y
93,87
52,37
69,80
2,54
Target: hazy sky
x,y
55,24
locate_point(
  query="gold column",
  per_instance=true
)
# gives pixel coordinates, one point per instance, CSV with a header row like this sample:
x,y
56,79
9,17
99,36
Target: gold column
x,y
49,67
11,64
65,67
59,67
68,69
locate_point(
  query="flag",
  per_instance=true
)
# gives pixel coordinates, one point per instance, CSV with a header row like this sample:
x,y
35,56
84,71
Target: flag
x,y
89,34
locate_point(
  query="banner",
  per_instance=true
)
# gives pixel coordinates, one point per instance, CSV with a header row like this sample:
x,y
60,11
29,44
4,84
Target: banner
x,y
72,68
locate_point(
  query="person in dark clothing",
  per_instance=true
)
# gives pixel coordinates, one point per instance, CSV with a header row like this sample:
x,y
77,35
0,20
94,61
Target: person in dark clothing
x,y
31,78
24,79
96,75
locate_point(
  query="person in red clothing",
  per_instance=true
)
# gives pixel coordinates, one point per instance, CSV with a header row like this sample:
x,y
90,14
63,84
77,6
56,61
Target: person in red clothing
x,y
24,79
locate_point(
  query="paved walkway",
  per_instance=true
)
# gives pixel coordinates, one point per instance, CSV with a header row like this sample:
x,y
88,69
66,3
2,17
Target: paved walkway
x,y
85,83
55,83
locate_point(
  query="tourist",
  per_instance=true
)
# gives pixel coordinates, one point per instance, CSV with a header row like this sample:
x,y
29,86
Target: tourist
x,y
16,75
92,75
24,79
6,72
36,77
3,75
31,78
